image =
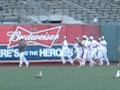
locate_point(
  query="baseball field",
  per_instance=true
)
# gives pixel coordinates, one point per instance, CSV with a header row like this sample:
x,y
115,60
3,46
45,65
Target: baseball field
x,y
59,77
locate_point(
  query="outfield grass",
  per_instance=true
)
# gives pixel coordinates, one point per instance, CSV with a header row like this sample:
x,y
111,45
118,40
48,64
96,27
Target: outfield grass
x,y
59,78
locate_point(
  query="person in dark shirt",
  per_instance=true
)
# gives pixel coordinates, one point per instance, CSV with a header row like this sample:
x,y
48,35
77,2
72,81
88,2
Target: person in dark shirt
x,y
22,47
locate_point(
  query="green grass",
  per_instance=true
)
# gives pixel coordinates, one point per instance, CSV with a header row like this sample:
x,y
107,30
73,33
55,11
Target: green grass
x,y
59,78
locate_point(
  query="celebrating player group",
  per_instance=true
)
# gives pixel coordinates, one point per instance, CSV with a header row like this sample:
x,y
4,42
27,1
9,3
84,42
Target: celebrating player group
x,y
88,50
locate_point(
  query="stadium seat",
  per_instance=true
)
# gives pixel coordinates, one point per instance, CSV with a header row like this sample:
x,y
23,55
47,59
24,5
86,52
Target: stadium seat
x,y
77,9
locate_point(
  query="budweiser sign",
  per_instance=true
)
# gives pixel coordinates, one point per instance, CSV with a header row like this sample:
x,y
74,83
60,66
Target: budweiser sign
x,y
44,37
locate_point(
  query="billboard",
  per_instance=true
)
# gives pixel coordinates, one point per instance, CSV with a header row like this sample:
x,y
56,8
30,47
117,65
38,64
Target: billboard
x,y
44,42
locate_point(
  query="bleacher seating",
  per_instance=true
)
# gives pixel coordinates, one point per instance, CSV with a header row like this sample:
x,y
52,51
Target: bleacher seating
x,y
106,11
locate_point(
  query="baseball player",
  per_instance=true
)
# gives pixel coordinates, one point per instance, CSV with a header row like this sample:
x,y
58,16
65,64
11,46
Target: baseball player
x,y
22,47
85,44
78,50
102,52
65,51
99,52
92,54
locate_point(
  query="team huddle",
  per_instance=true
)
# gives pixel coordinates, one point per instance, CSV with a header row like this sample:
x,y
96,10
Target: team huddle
x,y
87,50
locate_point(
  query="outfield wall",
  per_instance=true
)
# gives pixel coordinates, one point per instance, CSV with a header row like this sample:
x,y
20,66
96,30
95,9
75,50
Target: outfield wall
x,y
44,41
112,36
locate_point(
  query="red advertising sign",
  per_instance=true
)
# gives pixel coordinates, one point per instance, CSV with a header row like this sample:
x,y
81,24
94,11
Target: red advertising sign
x,y
46,36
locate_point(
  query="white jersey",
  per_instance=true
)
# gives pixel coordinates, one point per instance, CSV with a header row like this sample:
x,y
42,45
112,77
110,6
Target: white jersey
x,y
65,50
85,44
93,45
103,44
65,44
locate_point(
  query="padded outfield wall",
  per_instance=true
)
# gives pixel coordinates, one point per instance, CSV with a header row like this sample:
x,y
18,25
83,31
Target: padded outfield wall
x,y
112,36
44,41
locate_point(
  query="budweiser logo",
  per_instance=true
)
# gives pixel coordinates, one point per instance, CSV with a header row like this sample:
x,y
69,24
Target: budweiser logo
x,y
44,37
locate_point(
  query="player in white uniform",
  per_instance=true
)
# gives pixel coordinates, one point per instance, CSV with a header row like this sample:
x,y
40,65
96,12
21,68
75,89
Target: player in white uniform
x,y
99,54
78,50
93,50
102,51
66,52
85,44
